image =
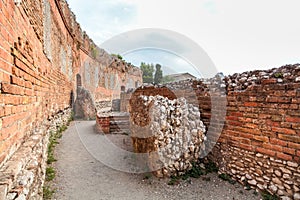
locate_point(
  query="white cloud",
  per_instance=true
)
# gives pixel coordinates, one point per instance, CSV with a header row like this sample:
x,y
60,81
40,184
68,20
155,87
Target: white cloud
x,y
237,35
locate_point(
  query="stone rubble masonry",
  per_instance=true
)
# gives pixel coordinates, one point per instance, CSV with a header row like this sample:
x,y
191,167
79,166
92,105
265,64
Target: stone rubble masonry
x,y
44,55
175,132
22,177
260,139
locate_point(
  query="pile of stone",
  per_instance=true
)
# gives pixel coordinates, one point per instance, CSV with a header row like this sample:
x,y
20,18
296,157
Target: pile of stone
x,y
178,131
285,74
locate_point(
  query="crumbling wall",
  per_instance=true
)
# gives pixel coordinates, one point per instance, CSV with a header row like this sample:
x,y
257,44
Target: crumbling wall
x,y
259,143
42,50
175,133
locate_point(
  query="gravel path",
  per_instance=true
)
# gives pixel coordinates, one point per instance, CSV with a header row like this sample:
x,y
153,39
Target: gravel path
x,y
80,176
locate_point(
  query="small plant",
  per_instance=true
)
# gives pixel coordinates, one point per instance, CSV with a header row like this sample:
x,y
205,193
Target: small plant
x,y
211,167
94,52
71,118
278,75
47,192
51,159
247,186
61,129
147,176
174,180
196,171
226,177
50,173
118,56
267,196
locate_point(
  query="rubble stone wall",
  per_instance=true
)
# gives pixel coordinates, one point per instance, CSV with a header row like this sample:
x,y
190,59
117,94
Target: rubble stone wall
x,y
175,132
260,140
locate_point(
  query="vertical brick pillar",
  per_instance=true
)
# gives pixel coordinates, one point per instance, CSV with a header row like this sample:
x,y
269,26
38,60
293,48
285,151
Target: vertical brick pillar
x,y
103,124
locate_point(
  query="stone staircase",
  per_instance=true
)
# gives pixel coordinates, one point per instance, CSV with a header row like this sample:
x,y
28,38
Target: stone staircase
x,y
119,124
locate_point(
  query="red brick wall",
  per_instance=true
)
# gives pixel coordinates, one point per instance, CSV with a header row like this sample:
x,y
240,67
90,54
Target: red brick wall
x,y
32,88
265,119
42,48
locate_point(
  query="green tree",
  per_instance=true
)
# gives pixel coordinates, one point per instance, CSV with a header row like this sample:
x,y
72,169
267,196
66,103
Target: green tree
x,y
158,74
167,79
147,70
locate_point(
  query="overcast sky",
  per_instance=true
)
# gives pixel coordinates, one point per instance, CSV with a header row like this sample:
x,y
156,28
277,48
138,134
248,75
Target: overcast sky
x,y
237,35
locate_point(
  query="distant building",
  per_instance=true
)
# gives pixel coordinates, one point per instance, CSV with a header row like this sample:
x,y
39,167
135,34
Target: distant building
x,y
180,76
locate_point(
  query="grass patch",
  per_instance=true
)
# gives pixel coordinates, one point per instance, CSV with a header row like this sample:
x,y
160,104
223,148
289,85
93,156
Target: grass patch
x,y
227,178
267,196
47,192
195,172
50,174
50,171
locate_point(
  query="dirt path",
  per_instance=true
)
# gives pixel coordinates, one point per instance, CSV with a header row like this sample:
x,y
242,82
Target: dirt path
x,y
80,176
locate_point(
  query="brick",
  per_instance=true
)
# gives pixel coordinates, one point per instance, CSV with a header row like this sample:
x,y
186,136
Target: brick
x,y
296,126
11,89
250,104
294,145
291,138
231,133
236,114
4,77
264,116
245,141
5,66
9,120
278,142
246,135
251,125
246,147
7,132
17,81
247,130
261,138
292,119
232,118
245,120
284,130
284,156
289,151
265,151
272,147
234,123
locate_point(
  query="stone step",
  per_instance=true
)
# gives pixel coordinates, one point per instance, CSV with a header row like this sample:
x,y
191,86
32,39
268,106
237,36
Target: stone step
x,y
120,119
118,122
118,128
125,131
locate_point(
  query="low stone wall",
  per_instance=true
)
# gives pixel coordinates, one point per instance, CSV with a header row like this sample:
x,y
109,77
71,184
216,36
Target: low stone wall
x,y
112,122
22,177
